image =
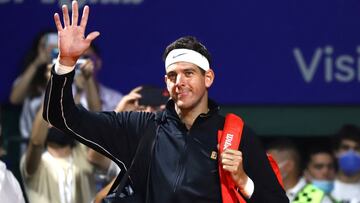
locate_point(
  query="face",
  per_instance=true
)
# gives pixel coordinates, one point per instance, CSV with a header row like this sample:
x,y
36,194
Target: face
x,y
187,85
284,163
321,166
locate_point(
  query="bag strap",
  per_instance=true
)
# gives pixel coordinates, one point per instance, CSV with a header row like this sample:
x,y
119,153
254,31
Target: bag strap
x,y
146,138
230,137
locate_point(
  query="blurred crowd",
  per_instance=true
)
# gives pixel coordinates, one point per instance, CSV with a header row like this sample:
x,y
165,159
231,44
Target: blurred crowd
x,y
58,169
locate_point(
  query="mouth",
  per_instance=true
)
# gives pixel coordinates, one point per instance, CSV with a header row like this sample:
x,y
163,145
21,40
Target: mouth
x,y
181,94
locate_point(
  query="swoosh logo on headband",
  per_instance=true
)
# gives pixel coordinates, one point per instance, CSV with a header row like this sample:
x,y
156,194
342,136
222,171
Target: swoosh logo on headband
x,y
178,55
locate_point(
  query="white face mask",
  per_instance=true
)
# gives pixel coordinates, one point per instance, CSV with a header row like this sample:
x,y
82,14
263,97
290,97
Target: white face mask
x,y
281,168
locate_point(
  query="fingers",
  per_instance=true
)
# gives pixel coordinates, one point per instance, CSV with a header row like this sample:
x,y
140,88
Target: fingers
x,y
84,17
75,13
66,16
58,22
231,160
232,152
137,89
133,96
92,36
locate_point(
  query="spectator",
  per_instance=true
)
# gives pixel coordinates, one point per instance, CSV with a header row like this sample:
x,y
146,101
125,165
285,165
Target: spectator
x,y
10,190
30,85
287,155
61,173
347,152
88,87
320,173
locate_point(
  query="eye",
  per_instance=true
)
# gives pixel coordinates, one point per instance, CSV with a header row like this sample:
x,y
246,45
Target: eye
x,y
345,147
189,73
171,76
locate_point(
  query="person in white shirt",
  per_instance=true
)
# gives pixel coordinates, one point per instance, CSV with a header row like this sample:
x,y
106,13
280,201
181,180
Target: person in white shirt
x,y
320,171
10,190
347,152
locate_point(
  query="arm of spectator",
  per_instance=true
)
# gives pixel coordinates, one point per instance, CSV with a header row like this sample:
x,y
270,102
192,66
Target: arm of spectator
x,y
103,192
100,161
23,82
36,144
91,86
130,101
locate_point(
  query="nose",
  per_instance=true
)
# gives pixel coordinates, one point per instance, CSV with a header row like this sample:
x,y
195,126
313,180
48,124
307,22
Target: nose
x,y
179,79
327,172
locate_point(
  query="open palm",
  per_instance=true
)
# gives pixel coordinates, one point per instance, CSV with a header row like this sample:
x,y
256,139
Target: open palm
x,y
72,41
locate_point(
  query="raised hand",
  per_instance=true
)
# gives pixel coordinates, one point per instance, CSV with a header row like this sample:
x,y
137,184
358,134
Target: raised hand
x,y
129,102
72,41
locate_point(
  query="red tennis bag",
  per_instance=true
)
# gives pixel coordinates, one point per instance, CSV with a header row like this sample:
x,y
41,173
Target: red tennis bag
x,y
230,137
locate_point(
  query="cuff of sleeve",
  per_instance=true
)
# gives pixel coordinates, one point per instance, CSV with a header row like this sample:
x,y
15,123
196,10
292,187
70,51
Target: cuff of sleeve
x,y
248,190
61,69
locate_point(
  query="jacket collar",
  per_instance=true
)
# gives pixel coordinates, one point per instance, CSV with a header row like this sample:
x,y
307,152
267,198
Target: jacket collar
x,y
171,113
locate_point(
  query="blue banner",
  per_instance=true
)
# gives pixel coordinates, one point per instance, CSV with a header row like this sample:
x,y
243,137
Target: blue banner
x,y
264,52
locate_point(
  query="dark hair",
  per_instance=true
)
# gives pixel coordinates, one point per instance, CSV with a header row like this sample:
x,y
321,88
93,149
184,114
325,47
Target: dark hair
x,y
188,42
39,80
317,149
153,96
34,51
347,132
60,138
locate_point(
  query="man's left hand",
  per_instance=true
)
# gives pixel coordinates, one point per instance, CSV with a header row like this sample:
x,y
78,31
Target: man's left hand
x,y
232,161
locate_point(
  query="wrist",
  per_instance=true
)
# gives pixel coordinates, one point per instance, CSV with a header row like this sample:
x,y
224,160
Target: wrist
x,y
241,183
67,61
248,189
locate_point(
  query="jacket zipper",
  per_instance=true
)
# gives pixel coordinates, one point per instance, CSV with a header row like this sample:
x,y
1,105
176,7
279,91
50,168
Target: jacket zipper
x,y
181,168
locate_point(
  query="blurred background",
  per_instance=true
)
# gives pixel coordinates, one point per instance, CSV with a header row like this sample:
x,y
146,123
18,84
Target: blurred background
x,y
289,67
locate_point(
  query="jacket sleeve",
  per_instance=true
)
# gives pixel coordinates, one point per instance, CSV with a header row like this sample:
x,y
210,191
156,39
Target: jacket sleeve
x,y
256,165
116,135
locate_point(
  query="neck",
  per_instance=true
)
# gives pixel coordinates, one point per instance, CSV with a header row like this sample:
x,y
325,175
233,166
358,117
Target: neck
x,y
188,116
59,151
348,179
290,182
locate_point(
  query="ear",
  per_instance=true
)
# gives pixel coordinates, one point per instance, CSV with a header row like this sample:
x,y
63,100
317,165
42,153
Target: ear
x,y
290,166
166,83
165,79
209,78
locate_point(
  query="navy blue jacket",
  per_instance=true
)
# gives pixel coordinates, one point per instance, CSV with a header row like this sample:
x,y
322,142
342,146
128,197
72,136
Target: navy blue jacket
x,y
177,166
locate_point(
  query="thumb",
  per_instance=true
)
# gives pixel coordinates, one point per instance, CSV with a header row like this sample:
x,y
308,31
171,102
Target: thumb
x,y
92,36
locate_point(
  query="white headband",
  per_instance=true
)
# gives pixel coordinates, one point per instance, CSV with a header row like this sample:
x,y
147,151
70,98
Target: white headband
x,y
187,55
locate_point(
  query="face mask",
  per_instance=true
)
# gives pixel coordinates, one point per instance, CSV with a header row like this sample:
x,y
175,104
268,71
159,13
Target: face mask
x,y
349,163
324,185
